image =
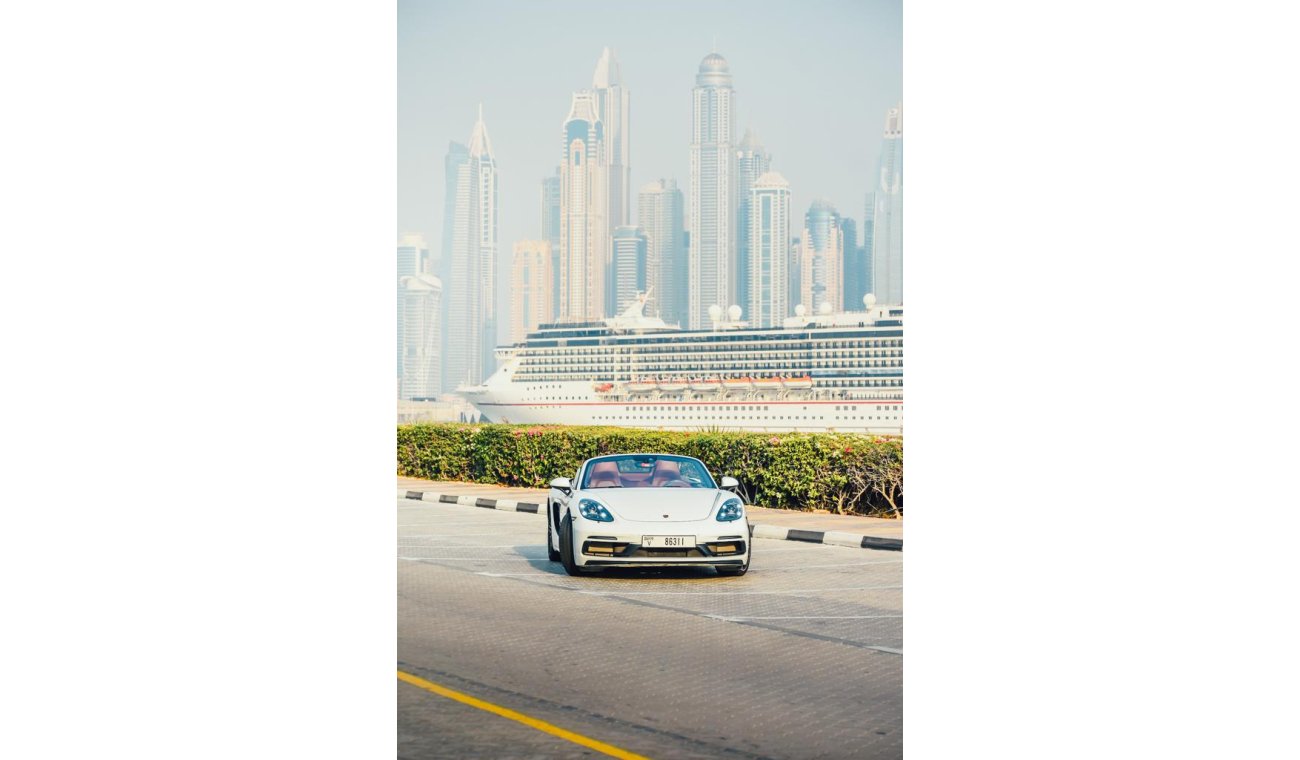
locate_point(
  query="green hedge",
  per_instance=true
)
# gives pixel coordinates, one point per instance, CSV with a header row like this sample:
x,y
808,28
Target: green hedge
x,y
837,471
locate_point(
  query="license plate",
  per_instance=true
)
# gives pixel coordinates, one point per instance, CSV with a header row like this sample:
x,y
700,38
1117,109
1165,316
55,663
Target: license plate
x,y
667,542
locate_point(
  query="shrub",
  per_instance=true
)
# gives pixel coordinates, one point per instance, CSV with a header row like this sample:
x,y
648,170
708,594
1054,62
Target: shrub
x,y
843,472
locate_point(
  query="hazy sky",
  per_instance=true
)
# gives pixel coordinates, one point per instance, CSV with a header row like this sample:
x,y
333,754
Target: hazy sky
x,y
812,78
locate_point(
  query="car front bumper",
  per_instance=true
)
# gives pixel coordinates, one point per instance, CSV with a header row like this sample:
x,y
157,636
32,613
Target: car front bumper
x,y
620,543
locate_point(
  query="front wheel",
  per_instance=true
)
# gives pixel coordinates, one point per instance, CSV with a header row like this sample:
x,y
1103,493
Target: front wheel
x,y
551,554
566,546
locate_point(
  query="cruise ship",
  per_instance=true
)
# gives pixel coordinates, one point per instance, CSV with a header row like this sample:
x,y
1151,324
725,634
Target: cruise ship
x,y
816,372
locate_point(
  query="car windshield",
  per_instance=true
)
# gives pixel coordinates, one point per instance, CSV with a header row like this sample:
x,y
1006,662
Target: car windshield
x,y
647,471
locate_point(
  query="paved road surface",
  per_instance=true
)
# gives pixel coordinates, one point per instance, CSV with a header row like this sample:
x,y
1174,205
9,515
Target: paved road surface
x,y
800,658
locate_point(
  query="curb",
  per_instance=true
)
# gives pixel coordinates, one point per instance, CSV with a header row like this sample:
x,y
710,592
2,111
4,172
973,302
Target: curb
x,y
833,537
509,505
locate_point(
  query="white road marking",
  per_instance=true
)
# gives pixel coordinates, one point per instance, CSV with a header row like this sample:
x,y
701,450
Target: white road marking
x,y
736,593
732,618
478,546
470,559
847,564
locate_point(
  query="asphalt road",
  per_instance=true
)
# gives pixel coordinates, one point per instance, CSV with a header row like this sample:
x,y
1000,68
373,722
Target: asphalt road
x,y
800,658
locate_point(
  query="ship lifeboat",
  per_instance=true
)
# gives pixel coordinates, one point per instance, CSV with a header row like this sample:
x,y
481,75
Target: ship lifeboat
x,y
737,383
604,387
640,386
672,386
768,384
707,384
798,383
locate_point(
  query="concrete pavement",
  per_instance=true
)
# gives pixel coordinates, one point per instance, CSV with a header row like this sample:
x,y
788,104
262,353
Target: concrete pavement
x,y
800,658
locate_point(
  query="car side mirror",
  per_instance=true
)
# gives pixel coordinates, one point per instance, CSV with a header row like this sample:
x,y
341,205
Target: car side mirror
x,y
562,484
729,483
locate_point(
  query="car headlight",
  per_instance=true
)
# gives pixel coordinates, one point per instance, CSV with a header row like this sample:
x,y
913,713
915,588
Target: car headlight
x,y
731,509
594,510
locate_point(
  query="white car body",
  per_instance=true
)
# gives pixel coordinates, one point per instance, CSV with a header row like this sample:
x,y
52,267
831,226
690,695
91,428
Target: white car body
x,y
652,525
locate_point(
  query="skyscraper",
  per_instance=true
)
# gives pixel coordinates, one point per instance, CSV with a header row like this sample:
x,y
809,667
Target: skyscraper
x,y
821,267
629,265
752,162
584,236
660,211
887,237
472,296
613,108
412,259
868,238
550,232
530,287
855,265
795,274
712,218
769,250
420,308
457,157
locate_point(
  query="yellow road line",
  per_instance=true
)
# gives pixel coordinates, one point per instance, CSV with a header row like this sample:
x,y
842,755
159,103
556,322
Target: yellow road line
x,y
540,725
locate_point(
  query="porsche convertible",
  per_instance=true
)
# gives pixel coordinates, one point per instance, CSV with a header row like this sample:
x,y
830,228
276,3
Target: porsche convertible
x,y
639,510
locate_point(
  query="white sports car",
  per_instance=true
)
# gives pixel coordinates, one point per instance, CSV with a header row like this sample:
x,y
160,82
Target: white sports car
x,y
635,510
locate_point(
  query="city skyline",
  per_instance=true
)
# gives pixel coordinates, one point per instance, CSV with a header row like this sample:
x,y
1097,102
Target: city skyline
x,y
529,78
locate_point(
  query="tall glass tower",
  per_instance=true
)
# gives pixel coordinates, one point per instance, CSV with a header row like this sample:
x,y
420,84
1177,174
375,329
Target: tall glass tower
x,y
613,107
471,300
419,307
457,157
412,259
868,238
822,254
855,265
887,235
629,266
769,250
752,162
660,209
584,236
712,268
550,232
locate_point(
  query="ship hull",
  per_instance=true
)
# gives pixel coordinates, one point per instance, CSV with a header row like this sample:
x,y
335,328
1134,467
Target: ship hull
x,y
577,404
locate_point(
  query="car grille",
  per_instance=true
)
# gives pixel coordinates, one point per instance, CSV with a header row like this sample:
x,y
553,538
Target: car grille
x,y
623,549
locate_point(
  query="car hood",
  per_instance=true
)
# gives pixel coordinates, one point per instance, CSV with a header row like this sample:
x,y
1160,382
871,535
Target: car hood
x,y
658,504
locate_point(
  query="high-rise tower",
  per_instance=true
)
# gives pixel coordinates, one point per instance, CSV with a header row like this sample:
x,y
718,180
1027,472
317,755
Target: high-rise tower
x,y
456,159
769,250
584,235
550,232
712,217
629,265
613,107
472,300
420,310
660,209
412,259
855,265
752,162
868,237
887,235
822,254
530,287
